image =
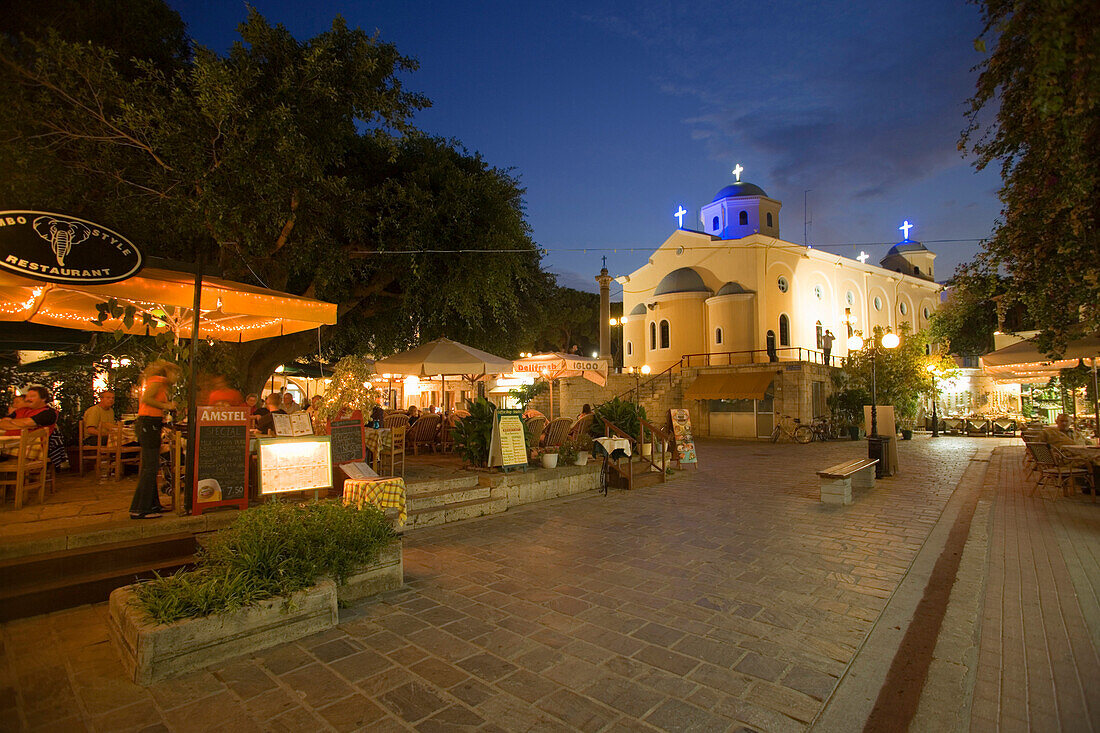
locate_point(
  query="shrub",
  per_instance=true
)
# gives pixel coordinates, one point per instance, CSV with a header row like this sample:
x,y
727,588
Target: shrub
x,y
272,550
567,453
623,414
472,434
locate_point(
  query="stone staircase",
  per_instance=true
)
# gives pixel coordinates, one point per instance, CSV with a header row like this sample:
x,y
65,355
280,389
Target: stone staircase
x,y
439,502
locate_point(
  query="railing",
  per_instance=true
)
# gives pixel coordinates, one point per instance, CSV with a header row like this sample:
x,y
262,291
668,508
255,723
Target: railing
x,y
657,437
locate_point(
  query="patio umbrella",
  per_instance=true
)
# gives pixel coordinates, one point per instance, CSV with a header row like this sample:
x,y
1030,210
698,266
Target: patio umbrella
x,y
553,366
444,358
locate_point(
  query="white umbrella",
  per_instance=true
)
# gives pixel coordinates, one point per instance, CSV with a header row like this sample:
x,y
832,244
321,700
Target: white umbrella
x,y
443,357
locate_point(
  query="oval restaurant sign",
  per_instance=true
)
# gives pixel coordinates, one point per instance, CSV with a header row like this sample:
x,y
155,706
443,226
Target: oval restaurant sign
x,y
64,249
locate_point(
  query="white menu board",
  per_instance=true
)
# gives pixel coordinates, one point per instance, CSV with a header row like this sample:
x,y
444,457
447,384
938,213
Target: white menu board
x,y
295,464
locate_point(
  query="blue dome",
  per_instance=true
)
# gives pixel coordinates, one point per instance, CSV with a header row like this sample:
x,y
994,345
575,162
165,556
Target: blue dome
x,y
907,245
732,288
638,310
744,188
683,280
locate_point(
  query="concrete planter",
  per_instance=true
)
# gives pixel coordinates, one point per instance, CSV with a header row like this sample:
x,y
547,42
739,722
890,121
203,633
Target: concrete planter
x,y
386,574
152,651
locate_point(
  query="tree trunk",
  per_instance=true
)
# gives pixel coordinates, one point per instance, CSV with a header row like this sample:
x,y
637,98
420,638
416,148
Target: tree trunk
x,y
259,358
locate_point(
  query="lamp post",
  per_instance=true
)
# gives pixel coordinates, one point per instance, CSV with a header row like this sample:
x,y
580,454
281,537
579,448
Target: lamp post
x,y
889,340
617,322
935,418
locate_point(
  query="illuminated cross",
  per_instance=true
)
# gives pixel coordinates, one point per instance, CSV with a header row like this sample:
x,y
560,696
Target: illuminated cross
x,y
680,215
905,229
863,257
605,262
737,171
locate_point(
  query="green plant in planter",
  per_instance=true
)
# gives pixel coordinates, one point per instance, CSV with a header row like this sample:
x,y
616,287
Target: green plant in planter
x,y
567,453
473,434
623,414
524,393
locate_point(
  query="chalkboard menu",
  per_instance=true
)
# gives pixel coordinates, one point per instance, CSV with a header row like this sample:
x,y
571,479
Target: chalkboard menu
x,y
221,473
347,441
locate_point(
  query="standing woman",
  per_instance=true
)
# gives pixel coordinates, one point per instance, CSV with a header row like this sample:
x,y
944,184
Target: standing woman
x,y
159,378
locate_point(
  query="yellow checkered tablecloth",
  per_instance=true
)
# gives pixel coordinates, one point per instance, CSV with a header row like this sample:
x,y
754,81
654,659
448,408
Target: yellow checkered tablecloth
x,y
383,492
376,440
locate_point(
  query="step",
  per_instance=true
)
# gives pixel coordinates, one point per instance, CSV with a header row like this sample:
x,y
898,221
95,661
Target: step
x,y
449,513
430,499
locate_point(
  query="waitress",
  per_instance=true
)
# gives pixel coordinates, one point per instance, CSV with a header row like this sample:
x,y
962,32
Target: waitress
x,y
159,378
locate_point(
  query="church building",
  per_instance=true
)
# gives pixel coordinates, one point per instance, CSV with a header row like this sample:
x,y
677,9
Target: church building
x,y
735,296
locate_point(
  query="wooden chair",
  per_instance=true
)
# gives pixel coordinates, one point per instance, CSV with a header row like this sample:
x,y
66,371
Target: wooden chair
x,y
395,451
85,452
425,431
115,455
580,428
557,431
396,420
446,430
28,472
1052,465
536,426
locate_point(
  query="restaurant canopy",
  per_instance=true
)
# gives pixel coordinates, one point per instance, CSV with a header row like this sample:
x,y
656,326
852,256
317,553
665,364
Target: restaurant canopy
x,y
1022,362
556,366
443,357
229,311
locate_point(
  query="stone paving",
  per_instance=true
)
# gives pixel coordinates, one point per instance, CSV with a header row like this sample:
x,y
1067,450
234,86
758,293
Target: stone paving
x,y
729,598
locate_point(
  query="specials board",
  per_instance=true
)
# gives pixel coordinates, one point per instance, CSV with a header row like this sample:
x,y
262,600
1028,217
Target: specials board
x,y
680,423
347,441
508,445
221,465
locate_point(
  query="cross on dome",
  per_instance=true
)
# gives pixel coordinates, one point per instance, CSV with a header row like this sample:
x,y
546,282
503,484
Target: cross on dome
x,y
905,229
863,257
737,171
680,215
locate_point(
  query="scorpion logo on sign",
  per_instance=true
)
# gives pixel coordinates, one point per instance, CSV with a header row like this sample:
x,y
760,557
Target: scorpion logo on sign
x,y
62,235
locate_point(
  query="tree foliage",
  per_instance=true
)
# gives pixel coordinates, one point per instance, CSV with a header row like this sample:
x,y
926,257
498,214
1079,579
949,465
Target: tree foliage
x,y
290,164
1035,112
979,303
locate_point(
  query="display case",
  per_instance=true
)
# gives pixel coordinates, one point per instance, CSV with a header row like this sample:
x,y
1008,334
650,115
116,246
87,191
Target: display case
x,y
302,463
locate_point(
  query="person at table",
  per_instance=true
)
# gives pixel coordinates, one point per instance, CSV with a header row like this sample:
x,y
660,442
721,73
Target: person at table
x,y
31,412
288,404
1060,433
531,412
314,408
99,419
265,425
252,402
159,376
586,410
217,391
377,415
414,414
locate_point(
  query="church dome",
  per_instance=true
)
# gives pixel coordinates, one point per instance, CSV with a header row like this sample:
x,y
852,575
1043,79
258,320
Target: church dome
x,y
906,246
683,280
732,288
742,188
638,310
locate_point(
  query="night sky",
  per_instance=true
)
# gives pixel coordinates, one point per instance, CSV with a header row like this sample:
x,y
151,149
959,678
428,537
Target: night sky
x,y
614,114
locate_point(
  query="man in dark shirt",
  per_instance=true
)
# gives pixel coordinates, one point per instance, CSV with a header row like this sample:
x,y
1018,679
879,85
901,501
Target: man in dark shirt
x,y
34,413
265,424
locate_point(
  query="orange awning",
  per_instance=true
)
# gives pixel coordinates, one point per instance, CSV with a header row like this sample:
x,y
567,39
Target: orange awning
x,y
730,386
230,311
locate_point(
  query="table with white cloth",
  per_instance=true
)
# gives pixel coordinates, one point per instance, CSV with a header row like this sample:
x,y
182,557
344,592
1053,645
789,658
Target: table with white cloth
x,y
386,493
610,445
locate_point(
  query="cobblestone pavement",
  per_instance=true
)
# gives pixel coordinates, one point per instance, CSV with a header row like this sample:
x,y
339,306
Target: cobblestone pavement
x,y
1038,665
727,598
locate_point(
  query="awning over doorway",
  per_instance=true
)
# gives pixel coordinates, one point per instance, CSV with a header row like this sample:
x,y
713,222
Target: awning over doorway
x,y
730,386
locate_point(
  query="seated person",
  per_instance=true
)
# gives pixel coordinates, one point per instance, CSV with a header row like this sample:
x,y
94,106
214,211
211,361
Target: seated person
x,y
289,405
265,424
1060,433
414,414
252,402
586,409
377,415
33,413
99,419
531,412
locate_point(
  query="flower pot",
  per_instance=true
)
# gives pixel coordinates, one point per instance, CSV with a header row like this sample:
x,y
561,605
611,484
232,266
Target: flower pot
x,y
582,460
647,449
906,434
853,432
549,460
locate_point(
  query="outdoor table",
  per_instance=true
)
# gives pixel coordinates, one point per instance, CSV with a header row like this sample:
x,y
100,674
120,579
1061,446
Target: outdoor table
x,y
952,424
8,442
376,439
610,445
387,493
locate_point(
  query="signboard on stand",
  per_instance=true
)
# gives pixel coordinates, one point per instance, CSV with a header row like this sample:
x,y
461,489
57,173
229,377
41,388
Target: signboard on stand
x,y
295,464
508,446
680,424
221,447
347,441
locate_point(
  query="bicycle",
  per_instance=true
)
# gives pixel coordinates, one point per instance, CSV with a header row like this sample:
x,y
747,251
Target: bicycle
x,y
823,429
799,433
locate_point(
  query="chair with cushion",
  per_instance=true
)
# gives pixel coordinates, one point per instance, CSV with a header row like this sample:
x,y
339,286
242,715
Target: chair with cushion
x,y
396,420
393,452
557,431
28,472
424,432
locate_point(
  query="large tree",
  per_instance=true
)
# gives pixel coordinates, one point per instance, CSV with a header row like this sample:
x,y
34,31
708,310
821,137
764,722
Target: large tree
x,y
979,302
1036,113
286,163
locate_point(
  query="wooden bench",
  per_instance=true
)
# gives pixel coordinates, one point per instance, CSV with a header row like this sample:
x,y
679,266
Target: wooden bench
x,y
836,481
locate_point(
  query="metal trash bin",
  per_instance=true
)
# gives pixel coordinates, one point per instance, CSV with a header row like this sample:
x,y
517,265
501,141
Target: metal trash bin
x,y
878,446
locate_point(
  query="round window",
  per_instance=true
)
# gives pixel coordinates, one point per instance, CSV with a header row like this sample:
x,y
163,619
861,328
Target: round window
x,y
878,303
783,284
903,308
927,313
850,298
819,292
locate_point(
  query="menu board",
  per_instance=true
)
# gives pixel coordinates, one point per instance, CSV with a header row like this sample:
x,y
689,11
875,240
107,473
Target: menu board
x,y
295,464
221,472
347,441
508,446
680,421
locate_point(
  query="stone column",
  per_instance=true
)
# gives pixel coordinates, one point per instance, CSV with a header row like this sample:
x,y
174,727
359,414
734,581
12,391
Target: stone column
x,y
605,314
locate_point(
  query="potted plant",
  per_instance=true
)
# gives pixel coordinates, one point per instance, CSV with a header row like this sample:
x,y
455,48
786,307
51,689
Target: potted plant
x,y
623,414
567,453
473,434
583,444
549,457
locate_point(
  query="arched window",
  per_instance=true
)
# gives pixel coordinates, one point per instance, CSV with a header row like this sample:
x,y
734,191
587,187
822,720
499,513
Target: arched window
x,y
714,224
717,335
666,339
820,335
743,218
784,330
652,336
629,348
769,218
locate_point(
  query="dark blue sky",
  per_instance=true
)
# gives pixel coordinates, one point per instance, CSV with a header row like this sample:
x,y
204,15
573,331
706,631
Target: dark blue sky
x,y
613,114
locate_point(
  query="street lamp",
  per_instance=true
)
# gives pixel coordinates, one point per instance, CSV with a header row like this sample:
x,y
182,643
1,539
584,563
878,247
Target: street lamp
x,y
622,356
935,420
889,340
